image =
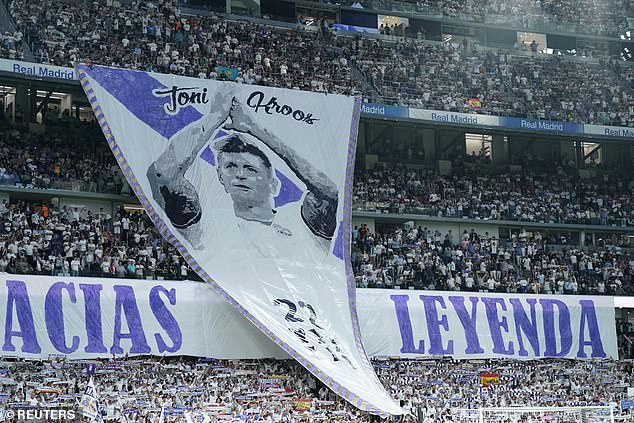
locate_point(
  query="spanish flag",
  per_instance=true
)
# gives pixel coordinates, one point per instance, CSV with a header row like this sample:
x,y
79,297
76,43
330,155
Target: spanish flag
x,y
489,378
474,103
302,404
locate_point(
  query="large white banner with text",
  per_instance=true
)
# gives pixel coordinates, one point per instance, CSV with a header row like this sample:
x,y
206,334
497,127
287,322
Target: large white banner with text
x,y
487,325
253,186
90,318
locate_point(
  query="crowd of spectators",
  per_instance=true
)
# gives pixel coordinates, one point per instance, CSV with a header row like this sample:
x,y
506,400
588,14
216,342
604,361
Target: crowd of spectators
x,y
73,241
423,258
169,390
531,195
145,389
155,37
11,45
444,388
625,72
445,76
73,160
585,16
81,161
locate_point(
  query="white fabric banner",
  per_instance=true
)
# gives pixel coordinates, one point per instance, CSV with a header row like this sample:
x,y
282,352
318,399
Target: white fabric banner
x,y
478,325
89,403
90,318
86,318
253,186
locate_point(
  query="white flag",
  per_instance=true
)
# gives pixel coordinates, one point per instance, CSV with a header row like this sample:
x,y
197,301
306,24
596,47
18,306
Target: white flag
x,y
122,418
162,417
90,403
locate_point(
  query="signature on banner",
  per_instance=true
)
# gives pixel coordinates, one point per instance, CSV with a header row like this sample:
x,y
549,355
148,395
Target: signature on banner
x,y
309,332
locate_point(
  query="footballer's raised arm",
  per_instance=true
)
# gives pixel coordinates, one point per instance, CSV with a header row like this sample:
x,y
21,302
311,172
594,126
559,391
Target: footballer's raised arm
x,y
171,190
319,210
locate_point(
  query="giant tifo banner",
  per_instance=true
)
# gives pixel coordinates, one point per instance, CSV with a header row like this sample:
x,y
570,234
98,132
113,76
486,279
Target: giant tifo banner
x,y
90,318
253,186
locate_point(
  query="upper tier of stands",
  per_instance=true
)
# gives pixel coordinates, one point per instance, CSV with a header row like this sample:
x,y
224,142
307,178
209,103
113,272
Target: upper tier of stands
x,y
444,77
404,72
606,18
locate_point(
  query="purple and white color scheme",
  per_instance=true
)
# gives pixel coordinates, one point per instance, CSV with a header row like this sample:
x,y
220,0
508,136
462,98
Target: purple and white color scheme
x,y
86,318
253,186
477,325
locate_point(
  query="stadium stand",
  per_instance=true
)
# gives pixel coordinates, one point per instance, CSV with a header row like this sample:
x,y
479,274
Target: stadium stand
x,y
52,241
404,72
443,77
11,45
76,242
282,391
589,17
69,162
426,259
530,196
41,239
156,39
74,160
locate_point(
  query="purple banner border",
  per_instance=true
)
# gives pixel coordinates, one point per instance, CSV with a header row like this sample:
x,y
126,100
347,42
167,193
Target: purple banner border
x,y
82,73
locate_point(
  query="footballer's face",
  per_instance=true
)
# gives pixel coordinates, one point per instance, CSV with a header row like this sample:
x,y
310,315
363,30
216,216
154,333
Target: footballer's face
x,y
247,179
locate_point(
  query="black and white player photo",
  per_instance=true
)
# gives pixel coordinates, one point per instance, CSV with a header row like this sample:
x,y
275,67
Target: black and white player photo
x,y
247,175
